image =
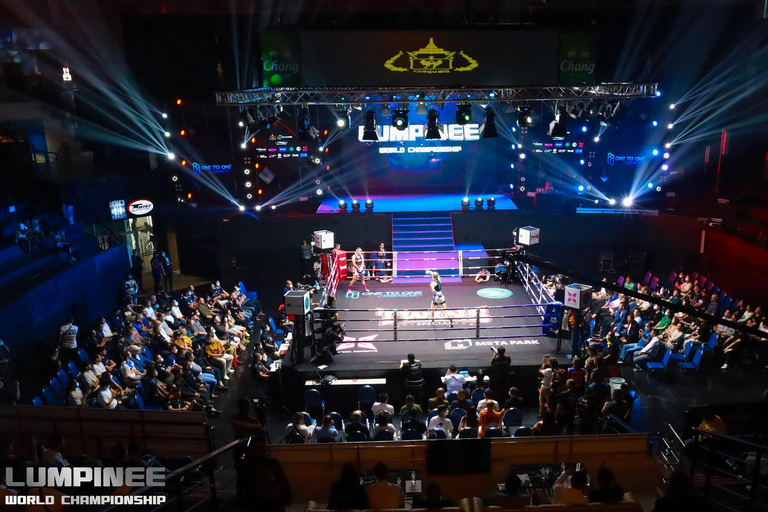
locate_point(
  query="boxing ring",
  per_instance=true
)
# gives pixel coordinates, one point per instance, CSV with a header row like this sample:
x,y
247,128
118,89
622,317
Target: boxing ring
x,y
512,309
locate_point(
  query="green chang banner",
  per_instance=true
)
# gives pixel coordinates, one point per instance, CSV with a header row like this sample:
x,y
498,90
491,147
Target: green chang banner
x,y
578,59
280,59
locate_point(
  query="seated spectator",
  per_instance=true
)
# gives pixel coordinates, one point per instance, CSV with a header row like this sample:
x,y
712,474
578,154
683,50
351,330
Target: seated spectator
x,y
217,357
413,409
680,495
469,420
326,432
515,401
508,496
462,401
51,455
383,494
128,372
383,423
347,493
432,499
606,490
489,417
487,397
75,397
441,421
382,405
453,380
571,491
297,426
648,353
110,396
437,400
356,424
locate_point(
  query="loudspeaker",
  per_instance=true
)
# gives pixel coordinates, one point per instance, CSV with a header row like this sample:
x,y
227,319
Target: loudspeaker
x,y
577,296
297,302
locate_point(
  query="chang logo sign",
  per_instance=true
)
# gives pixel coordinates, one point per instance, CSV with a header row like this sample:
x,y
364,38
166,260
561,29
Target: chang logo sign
x,y
140,207
432,60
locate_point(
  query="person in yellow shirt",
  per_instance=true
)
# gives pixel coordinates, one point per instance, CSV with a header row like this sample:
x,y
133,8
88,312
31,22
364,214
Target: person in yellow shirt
x,y
218,357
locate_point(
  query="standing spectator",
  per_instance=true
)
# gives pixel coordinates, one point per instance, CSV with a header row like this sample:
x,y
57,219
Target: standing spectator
x,y
306,258
500,365
681,496
346,492
156,265
383,494
414,380
68,341
137,268
167,272
261,480
545,374
453,380
381,264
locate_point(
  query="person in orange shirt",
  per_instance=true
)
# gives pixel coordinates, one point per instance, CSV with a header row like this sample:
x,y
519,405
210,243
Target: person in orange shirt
x,y
489,417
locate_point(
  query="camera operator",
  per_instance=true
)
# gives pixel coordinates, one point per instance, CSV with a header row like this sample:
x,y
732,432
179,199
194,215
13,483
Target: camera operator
x,y
326,349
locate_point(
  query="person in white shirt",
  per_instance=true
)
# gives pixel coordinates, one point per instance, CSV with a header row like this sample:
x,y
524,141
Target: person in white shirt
x,y
68,340
545,374
297,425
98,365
441,421
176,312
648,353
382,405
106,397
130,375
453,380
571,493
483,404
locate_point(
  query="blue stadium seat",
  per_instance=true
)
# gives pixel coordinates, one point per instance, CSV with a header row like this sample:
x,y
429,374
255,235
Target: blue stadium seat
x,y
356,437
37,401
308,420
73,370
694,364
440,434
662,365
493,432
314,403
58,391
411,435
477,395
512,418
451,397
468,433
679,358
273,325
431,414
50,398
63,378
249,295
384,435
83,356
456,416
523,432
710,346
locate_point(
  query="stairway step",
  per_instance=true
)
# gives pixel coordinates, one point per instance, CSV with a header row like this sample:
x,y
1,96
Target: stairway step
x,y
446,231
404,241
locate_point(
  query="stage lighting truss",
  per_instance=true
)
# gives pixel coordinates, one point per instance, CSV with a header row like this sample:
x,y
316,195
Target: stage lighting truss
x,y
356,96
342,117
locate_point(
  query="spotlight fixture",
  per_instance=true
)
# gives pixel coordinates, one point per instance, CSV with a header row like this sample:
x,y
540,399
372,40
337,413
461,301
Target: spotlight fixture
x,y
400,118
273,207
665,167
433,127
489,127
241,208
342,206
247,184
257,207
596,139
658,189
479,203
491,203
249,196
658,93
385,111
584,129
421,108
511,166
611,202
369,127
668,145
165,116
655,152
167,135
369,206
666,155
559,127
175,178
342,117
465,204
355,206
524,116
650,185
463,113
655,123
626,202
246,171
581,188
672,106
522,156
319,192
171,156
243,145
306,130
670,126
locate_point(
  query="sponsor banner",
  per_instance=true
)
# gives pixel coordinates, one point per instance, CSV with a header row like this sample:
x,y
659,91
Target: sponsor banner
x,y
354,294
417,58
140,207
280,59
612,159
464,316
453,345
578,58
